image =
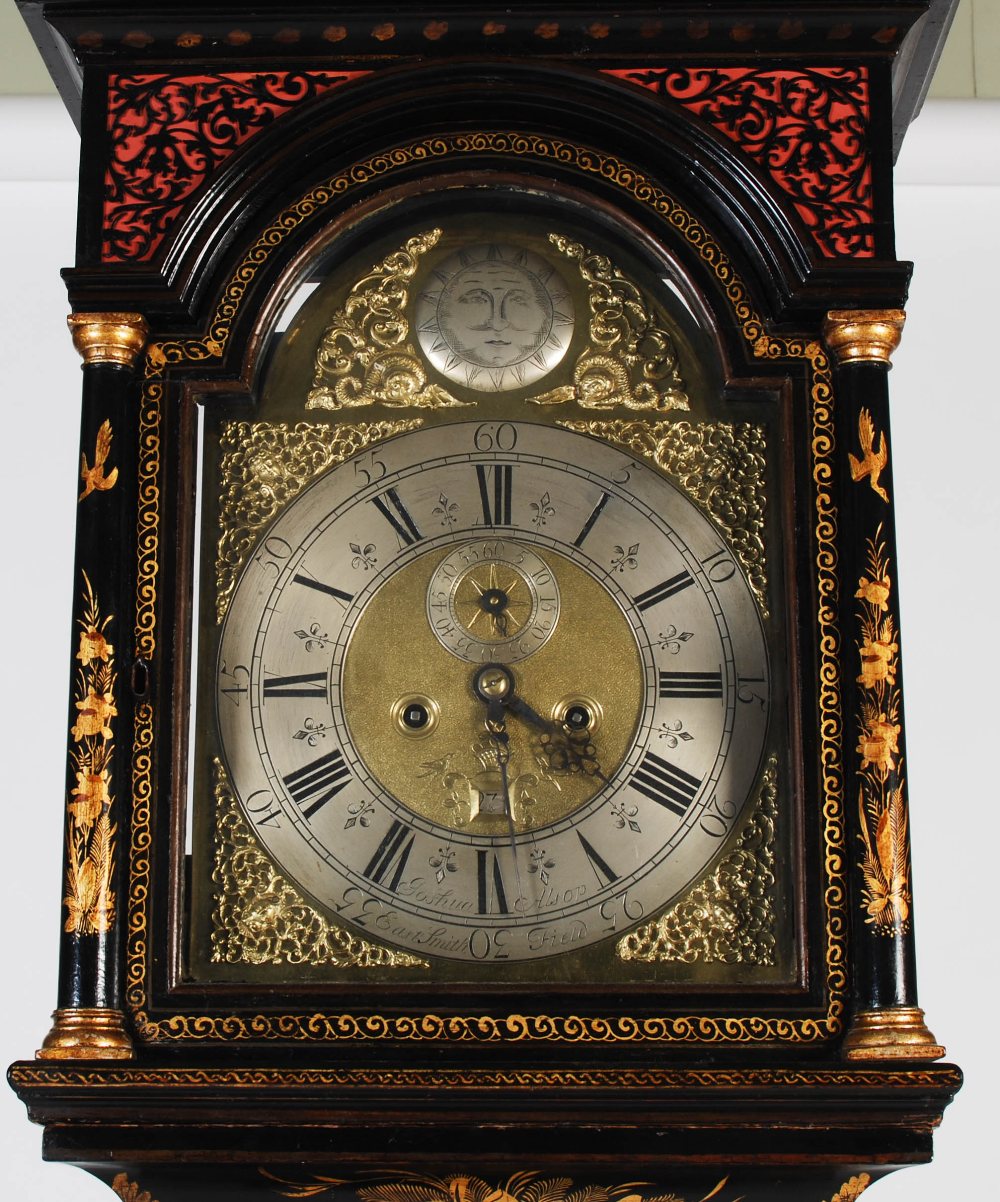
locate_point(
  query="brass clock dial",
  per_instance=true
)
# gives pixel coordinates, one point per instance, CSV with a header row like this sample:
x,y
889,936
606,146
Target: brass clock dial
x,y
449,708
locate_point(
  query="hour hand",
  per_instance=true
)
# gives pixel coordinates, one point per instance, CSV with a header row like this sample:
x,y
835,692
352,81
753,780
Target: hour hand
x,y
566,747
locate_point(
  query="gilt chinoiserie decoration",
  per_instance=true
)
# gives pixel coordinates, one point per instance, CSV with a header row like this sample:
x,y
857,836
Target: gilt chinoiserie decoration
x,y
486,686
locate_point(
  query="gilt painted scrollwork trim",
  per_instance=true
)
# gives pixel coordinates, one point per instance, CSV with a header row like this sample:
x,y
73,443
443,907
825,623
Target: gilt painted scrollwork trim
x,y
813,1028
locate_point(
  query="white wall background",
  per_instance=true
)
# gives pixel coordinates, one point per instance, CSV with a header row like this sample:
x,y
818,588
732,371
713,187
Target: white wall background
x,y
946,459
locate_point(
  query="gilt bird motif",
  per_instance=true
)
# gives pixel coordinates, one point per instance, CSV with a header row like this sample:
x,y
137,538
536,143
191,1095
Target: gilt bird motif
x,y
874,459
94,479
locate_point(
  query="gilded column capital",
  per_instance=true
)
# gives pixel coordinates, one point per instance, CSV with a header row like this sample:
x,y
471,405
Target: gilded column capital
x,y
896,1033
108,337
87,1034
863,335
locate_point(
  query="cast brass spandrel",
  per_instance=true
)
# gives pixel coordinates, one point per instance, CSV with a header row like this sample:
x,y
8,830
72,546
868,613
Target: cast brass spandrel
x,y
696,456
263,466
630,361
729,916
259,918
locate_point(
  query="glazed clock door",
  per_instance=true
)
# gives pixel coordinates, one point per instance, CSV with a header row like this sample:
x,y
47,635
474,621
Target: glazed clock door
x,y
491,687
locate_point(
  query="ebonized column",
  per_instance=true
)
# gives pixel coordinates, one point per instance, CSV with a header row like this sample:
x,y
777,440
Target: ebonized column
x,y
89,1022
887,1022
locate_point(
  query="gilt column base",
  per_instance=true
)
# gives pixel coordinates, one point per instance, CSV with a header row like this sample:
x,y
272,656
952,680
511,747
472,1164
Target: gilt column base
x,y
894,1034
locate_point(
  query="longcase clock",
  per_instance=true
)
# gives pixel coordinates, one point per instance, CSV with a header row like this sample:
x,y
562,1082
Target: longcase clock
x,y
486,771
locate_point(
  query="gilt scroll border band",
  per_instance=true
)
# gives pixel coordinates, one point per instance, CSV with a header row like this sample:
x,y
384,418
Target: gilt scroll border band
x,y
712,1029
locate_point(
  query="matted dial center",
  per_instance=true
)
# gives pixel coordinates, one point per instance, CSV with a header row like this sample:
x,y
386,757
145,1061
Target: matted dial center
x,y
448,770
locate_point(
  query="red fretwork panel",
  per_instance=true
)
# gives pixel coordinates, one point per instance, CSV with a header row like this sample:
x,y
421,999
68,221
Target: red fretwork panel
x,y
169,133
808,128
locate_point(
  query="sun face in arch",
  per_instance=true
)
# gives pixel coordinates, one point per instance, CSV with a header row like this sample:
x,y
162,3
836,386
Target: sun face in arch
x,y
494,317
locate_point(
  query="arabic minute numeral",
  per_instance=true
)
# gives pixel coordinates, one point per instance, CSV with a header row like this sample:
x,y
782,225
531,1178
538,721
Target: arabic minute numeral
x,y
747,694
493,436
273,553
717,820
368,466
263,808
240,687
720,567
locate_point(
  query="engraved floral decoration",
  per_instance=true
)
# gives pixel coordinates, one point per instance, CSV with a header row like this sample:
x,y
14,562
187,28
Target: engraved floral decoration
x,y
881,802
464,792
167,134
720,465
259,918
521,1187
728,917
263,466
90,901
365,356
630,361
807,127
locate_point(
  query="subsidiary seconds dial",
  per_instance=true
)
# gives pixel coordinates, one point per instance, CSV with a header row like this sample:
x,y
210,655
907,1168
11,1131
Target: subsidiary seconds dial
x,y
592,786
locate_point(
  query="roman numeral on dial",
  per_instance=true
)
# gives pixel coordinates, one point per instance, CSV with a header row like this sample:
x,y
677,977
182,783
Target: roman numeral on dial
x,y
691,684
667,785
320,587
492,895
387,865
604,873
588,525
313,785
663,590
495,494
399,520
309,684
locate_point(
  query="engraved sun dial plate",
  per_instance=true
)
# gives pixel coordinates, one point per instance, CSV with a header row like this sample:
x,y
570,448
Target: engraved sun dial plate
x,y
494,317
